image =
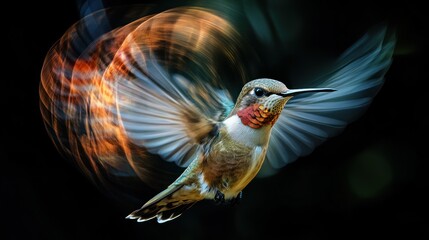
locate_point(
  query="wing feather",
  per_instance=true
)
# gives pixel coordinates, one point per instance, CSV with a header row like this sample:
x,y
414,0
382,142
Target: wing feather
x,y
309,119
121,91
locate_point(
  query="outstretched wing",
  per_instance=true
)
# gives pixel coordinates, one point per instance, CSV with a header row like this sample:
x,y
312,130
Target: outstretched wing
x,y
160,112
309,119
120,98
168,114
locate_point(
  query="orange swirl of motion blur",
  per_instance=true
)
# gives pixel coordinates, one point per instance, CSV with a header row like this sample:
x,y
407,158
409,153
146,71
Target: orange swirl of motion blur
x,y
80,74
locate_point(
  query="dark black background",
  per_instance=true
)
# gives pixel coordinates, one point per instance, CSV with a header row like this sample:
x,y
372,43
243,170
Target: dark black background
x,y
44,197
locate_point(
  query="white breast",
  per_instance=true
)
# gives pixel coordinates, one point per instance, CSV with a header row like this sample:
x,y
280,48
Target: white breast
x,y
246,135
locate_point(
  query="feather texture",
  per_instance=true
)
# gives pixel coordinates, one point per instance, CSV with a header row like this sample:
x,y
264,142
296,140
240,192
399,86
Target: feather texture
x,y
309,119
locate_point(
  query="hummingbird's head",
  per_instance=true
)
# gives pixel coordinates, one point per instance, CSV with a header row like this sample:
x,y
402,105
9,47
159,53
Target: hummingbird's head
x,y
262,100
265,93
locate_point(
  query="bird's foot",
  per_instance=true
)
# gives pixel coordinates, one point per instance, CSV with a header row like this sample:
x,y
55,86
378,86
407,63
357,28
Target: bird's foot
x,y
219,199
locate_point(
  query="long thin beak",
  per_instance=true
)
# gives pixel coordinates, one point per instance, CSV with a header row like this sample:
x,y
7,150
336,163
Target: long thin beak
x,y
293,92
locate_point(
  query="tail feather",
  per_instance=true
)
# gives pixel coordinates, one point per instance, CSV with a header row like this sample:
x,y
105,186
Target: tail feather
x,y
171,214
165,206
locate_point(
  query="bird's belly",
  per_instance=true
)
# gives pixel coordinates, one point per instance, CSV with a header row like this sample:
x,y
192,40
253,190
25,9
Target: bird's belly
x,y
236,187
244,179
230,172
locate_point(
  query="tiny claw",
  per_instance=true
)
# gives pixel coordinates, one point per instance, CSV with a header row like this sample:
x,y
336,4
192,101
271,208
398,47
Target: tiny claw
x,y
219,197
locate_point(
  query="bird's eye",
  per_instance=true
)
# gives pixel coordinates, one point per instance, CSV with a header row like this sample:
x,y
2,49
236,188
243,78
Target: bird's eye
x,y
259,92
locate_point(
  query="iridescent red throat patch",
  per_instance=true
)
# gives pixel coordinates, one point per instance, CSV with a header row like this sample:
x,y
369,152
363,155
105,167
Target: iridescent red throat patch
x,y
256,116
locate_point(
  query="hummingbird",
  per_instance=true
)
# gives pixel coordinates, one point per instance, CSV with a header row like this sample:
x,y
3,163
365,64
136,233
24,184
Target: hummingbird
x,y
262,124
114,106
232,154
268,121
